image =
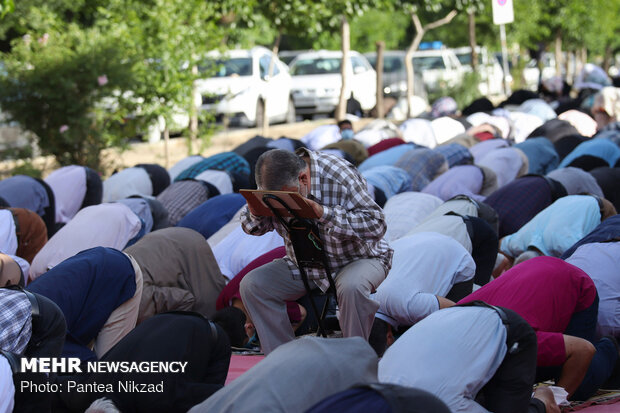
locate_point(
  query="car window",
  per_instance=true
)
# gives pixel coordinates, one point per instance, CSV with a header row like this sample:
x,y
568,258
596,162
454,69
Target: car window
x,y
315,66
263,62
392,64
241,66
358,63
428,62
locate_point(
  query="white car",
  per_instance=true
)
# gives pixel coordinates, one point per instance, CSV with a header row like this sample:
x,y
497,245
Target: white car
x,y
439,68
317,81
489,69
242,90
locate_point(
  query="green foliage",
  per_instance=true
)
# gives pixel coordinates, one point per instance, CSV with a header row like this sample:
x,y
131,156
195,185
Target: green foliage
x,y
55,87
463,93
27,168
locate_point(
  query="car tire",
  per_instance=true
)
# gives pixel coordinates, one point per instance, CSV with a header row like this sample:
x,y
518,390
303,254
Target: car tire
x,y
260,113
291,116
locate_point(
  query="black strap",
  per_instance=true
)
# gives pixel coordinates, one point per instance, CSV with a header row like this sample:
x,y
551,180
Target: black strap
x,y
13,360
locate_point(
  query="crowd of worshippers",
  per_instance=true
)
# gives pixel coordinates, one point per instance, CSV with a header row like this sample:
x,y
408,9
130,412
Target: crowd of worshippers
x,y
476,253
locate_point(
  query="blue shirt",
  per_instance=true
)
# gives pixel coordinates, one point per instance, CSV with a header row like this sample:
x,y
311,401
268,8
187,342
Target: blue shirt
x,y
390,179
87,288
22,191
452,353
599,147
541,155
210,216
386,157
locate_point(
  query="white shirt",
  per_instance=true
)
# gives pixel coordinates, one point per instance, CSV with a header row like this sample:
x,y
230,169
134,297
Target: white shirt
x,y
128,182
321,136
452,353
69,186
7,389
406,210
451,226
601,260
238,249
425,265
219,179
8,237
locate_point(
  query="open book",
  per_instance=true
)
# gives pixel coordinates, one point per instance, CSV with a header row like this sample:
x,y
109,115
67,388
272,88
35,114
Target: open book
x,y
294,200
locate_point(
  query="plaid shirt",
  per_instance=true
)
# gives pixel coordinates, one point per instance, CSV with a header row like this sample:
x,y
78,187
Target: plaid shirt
x,y
423,165
225,161
15,320
352,225
182,197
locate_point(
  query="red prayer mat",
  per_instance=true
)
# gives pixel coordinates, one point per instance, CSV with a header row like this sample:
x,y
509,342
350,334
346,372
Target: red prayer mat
x,y
239,364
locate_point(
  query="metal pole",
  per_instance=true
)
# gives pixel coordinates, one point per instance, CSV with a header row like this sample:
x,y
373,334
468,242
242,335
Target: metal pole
x,y
502,34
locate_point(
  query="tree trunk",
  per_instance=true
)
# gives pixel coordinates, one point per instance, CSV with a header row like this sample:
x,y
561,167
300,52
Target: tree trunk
x,y
472,41
569,65
274,50
166,147
558,53
380,108
193,115
341,109
417,39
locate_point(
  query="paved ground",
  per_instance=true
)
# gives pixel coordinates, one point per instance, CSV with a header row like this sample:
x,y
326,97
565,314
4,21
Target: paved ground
x,y
177,149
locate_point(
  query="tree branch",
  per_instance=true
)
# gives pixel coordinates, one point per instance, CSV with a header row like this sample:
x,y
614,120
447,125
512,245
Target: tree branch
x,y
441,22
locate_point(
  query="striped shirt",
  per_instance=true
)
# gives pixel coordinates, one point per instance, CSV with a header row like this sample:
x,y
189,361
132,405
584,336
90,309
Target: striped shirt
x,y
352,225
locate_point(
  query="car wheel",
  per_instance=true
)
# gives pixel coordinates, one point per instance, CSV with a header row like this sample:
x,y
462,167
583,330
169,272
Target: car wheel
x,y
260,113
291,117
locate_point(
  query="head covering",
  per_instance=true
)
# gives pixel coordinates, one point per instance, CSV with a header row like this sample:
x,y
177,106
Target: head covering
x,y
446,128
160,179
419,131
609,181
321,136
554,130
480,150
383,145
538,107
176,258
182,197
15,321
479,105
251,144
142,209
88,287
608,101
464,179
69,186
518,97
330,365
576,181
353,148
500,123
107,225
386,157
507,163
213,214
22,191
566,145
588,162
128,182
422,165
455,154
601,148
376,131
591,77
444,106
391,180
583,122
31,233
541,155
183,164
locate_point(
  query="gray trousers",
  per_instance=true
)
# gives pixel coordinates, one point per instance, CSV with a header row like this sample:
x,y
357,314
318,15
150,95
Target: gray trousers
x,y
265,290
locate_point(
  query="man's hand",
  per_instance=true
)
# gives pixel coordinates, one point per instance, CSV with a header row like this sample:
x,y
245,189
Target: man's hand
x,y
318,208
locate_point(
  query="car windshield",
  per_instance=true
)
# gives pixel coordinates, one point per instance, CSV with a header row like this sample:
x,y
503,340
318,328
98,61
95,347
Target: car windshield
x,y
465,58
240,66
315,66
428,62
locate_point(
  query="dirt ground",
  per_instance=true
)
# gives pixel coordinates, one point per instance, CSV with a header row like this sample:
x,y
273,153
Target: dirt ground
x,y
145,152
